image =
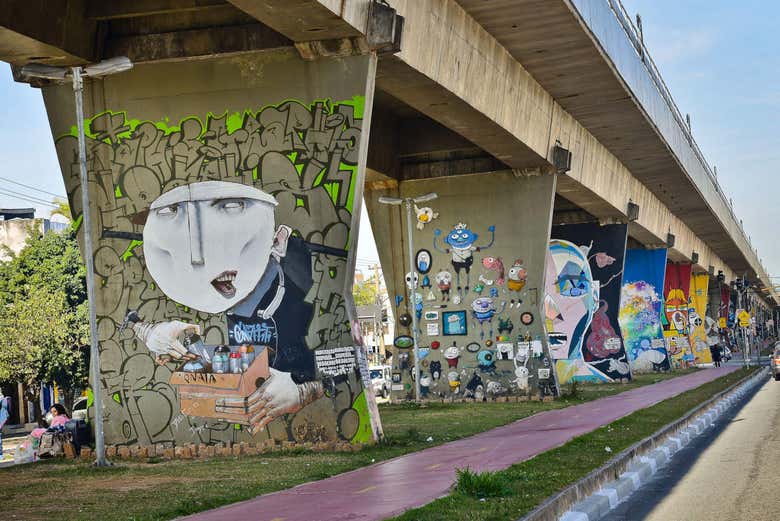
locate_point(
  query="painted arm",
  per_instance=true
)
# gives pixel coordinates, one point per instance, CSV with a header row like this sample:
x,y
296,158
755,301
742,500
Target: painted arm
x,y
436,235
492,230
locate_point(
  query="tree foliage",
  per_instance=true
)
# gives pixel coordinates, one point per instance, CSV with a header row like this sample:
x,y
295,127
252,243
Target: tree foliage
x,y
44,332
365,293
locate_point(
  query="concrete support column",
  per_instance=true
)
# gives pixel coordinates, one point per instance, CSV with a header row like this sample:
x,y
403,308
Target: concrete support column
x,y
227,195
480,251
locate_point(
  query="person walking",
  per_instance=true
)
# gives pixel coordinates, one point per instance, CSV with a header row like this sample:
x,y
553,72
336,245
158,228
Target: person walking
x,y
717,353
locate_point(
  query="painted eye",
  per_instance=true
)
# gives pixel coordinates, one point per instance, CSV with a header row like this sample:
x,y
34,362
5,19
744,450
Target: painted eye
x,y
464,235
454,236
168,211
231,205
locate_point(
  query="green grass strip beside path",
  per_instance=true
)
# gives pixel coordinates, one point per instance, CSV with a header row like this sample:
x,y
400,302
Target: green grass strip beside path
x,y
529,483
159,490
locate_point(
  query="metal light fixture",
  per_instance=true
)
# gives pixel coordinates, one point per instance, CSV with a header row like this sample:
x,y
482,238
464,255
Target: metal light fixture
x,y
670,239
409,202
694,258
76,75
561,158
632,211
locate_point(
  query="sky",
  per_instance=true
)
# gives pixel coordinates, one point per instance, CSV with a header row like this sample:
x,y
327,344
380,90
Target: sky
x,y
719,58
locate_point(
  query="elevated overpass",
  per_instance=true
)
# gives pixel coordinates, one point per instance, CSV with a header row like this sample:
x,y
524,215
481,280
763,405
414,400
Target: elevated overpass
x,y
480,101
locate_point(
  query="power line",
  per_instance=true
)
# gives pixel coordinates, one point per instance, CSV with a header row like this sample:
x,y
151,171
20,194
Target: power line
x,y
28,199
32,187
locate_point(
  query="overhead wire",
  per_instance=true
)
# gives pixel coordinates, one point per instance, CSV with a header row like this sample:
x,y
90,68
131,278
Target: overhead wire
x,y
28,199
33,188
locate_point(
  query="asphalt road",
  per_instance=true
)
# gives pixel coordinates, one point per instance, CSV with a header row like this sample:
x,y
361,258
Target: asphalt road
x,y
730,473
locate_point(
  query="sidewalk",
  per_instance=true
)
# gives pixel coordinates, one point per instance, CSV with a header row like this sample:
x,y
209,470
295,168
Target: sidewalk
x,y
394,486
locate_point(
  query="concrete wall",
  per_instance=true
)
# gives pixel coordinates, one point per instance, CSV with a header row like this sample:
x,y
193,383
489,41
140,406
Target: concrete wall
x,y
14,233
493,357
225,199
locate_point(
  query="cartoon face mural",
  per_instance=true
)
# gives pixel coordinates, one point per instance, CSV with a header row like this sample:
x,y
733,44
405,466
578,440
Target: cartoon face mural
x,y
570,298
676,287
226,230
207,244
461,241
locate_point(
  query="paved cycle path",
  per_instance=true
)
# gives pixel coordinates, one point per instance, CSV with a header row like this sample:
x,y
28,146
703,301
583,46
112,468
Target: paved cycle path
x,y
393,486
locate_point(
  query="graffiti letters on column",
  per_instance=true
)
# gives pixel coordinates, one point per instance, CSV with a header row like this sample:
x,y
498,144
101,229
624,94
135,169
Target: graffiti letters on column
x,y
221,257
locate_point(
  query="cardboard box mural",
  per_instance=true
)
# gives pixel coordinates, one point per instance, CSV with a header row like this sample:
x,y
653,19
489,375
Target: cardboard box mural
x,y
226,194
697,318
582,299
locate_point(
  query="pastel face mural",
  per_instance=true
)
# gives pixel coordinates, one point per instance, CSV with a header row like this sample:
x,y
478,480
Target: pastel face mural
x,y
602,348
207,244
571,298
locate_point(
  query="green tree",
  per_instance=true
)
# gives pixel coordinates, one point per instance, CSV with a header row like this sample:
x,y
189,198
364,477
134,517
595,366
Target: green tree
x,y
365,293
43,316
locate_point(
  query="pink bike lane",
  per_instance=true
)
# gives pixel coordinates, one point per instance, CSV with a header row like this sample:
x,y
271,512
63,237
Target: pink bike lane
x,y
391,487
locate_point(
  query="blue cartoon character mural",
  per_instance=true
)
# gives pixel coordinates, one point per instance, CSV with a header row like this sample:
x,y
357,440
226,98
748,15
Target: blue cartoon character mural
x,y
462,245
483,309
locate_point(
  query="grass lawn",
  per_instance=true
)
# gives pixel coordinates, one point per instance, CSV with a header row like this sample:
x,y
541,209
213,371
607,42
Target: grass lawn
x,y
163,490
527,484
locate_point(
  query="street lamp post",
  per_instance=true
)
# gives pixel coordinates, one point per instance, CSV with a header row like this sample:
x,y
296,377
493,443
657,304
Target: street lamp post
x,y
409,203
75,75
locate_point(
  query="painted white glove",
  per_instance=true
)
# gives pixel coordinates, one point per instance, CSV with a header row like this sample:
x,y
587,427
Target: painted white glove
x,y
279,395
162,338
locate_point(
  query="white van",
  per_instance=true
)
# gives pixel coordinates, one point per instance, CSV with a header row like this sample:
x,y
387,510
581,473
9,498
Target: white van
x,y
381,379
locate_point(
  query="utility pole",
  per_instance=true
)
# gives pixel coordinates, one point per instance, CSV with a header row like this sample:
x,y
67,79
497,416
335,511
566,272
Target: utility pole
x,y
379,309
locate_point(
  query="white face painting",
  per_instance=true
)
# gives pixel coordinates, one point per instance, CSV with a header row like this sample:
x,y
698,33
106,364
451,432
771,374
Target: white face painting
x,y
207,244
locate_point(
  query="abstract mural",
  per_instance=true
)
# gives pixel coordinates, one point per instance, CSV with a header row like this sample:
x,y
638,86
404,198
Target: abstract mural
x,y
222,249
641,306
697,318
582,299
677,285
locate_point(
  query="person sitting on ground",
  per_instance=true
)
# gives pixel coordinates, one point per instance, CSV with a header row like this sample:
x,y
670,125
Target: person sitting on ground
x,y
59,416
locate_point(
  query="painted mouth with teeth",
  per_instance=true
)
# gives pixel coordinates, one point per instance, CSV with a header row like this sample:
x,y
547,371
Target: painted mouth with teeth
x,y
223,283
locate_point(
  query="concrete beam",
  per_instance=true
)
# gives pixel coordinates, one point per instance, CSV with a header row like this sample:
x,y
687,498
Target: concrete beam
x,y
195,43
116,9
306,20
451,69
43,31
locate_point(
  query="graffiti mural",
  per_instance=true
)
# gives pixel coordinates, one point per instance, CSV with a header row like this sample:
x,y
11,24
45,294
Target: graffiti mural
x,y
221,258
677,285
641,306
595,353
697,318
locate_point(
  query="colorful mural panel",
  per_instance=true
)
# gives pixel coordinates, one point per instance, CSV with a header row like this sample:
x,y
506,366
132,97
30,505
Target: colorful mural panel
x,y
582,325
697,315
677,285
641,306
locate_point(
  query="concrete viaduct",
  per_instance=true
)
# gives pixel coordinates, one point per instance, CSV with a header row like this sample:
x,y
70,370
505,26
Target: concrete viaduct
x,y
533,120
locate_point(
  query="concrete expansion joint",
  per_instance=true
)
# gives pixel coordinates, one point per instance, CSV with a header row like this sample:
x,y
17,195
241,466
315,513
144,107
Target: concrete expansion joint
x,y
654,453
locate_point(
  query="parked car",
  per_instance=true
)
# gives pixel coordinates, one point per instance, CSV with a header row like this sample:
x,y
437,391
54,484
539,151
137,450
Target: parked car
x,y
381,379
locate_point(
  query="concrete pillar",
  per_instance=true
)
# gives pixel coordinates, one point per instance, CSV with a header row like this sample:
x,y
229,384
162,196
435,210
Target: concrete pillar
x,y
584,278
479,256
227,196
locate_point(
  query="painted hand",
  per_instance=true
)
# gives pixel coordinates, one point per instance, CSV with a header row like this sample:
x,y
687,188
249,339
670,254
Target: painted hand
x,y
162,339
277,396
437,232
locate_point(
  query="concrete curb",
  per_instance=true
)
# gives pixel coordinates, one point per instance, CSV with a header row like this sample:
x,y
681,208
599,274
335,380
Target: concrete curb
x,y
596,494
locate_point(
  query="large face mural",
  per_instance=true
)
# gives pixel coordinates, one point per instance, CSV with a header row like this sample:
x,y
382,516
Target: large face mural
x,y
221,253
571,298
676,321
602,346
207,244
